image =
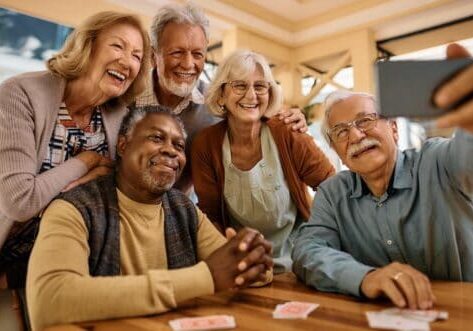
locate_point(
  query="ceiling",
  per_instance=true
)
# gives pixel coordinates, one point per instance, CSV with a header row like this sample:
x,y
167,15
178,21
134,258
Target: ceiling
x,y
294,10
298,22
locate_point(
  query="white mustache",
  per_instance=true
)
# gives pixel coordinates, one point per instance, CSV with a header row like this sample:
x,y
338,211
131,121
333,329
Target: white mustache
x,y
363,145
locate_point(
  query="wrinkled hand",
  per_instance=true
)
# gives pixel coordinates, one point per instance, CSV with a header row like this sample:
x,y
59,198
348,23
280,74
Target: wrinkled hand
x,y
401,283
98,171
97,166
250,240
455,90
243,260
294,116
93,159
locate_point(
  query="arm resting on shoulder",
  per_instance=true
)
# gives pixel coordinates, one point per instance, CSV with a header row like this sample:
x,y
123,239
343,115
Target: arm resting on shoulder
x,y
310,163
24,192
314,166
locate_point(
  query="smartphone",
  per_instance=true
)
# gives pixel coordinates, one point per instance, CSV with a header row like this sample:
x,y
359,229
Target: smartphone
x,y
405,88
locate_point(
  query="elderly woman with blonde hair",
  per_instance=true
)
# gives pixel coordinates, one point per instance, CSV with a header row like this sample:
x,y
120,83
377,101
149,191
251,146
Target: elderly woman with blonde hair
x,y
251,170
58,128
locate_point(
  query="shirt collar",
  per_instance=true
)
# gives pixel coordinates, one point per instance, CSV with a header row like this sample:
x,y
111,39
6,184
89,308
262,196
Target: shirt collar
x,y
402,177
358,186
148,97
402,174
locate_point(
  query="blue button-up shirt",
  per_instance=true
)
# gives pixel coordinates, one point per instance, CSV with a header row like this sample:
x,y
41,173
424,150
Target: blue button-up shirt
x,y
424,219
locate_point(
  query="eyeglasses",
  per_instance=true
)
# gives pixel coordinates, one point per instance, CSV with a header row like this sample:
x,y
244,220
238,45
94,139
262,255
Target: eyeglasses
x,y
240,87
341,131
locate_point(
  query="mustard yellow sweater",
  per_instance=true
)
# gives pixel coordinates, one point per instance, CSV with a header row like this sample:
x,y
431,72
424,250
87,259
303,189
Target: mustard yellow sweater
x,y
60,289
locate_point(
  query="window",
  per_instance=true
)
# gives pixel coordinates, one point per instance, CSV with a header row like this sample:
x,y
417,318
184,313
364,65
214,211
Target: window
x,y
27,42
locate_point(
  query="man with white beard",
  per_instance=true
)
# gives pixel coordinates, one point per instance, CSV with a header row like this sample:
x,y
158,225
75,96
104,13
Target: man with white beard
x,y
396,218
179,37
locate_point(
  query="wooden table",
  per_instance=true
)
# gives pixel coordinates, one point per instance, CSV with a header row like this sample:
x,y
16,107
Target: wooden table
x,y
252,309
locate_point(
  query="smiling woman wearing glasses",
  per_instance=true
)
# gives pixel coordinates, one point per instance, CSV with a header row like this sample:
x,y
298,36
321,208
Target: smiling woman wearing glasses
x,y
249,170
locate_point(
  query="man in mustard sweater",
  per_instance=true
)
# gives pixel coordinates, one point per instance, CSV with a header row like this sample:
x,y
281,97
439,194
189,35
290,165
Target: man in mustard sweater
x,y
128,244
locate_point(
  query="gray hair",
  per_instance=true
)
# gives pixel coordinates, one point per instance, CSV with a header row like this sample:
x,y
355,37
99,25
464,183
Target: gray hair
x,y
239,65
138,114
331,100
181,14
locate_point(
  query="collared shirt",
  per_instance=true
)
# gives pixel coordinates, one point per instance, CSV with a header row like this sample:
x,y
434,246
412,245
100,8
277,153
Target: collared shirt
x,y
424,219
148,97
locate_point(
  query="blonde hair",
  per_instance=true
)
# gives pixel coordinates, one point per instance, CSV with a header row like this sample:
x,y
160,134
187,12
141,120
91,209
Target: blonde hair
x,y
73,59
239,65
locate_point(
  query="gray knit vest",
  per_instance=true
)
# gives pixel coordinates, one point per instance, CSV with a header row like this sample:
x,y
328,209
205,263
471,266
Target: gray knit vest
x,y
97,201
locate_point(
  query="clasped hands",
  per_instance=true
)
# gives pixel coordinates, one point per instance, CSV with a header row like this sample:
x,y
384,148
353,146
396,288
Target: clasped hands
x,y
242,261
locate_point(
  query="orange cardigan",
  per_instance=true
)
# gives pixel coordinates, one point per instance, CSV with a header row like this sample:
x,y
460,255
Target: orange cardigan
x,y
303,163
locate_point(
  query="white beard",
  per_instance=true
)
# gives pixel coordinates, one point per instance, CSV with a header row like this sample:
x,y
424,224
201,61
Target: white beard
x,y
182,90
156,185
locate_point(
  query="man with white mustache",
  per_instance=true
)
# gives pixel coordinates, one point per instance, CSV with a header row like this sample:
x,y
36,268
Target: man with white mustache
x,y
179,37
355,150
397,218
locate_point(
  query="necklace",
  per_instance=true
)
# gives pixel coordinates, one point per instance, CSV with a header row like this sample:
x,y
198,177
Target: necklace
x,y
86,121
82,127
84,124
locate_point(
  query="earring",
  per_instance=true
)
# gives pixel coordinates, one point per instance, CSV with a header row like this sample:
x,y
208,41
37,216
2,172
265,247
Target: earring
x,y
222,108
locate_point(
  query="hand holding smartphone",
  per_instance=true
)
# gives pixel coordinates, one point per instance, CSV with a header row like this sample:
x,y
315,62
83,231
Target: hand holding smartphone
x,y
405,88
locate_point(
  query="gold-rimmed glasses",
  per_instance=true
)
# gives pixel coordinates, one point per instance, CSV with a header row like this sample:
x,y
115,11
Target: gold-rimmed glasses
x,y
240,87
340,132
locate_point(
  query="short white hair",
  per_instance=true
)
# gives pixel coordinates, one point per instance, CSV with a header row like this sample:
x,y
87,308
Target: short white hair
x,y
180,14
331,100
240,65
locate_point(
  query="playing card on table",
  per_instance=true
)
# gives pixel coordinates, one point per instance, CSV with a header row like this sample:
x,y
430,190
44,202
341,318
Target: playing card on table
x,y
213,322
420,315
383,320
294,309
